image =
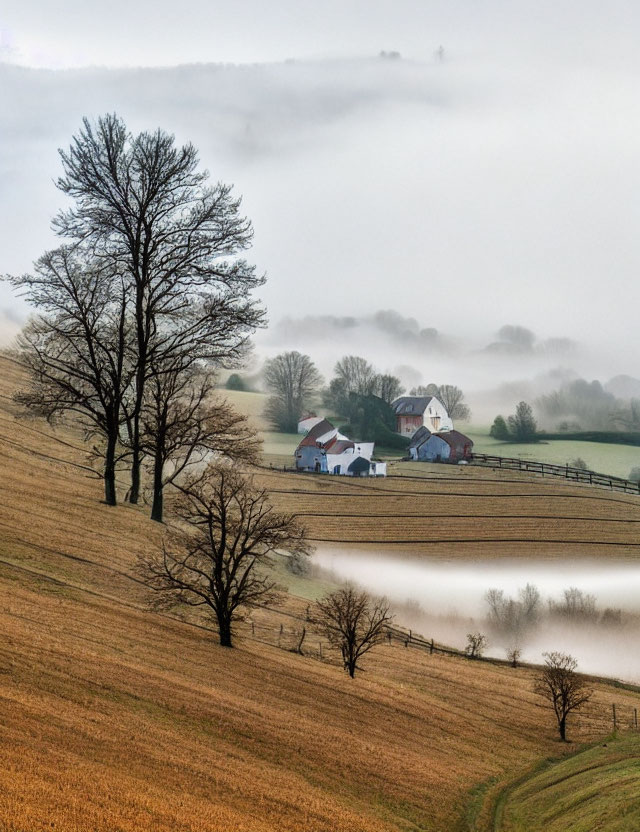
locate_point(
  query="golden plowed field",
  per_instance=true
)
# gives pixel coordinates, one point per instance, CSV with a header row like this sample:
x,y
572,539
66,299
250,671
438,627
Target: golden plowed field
x,y
118,719
472,513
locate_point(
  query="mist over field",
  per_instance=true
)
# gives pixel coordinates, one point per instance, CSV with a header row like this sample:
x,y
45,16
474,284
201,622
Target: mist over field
x,y
445,600
496,186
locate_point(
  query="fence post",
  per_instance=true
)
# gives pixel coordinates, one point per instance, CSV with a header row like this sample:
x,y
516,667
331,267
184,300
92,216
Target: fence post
x,y
389,636
635,718
431,647
615,723
253,629
409,635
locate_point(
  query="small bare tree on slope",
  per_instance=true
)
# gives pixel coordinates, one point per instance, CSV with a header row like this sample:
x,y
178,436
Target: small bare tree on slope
x,y
354,621
560,685
221,555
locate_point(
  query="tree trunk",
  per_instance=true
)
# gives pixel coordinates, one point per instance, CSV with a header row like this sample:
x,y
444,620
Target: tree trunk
x,y
110,472
224,627
562,725
134,494
157,507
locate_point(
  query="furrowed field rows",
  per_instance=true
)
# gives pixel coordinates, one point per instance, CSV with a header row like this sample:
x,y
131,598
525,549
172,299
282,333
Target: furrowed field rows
x,y
114,717
467,485
485,519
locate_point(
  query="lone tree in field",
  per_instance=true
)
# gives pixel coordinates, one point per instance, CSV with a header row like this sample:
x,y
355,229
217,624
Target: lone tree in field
x,y
353,621
220,559
560,685
476,645
291,378
522,425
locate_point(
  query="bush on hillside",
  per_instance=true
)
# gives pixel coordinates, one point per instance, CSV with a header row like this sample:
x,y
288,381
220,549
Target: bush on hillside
x,y
236,382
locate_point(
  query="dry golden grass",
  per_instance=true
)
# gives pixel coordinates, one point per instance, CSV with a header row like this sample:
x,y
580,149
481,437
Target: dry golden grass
x,y
114,718
469,512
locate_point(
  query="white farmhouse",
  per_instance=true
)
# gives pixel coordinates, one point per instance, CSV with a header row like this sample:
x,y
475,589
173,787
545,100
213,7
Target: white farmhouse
x,y
325,450
413,412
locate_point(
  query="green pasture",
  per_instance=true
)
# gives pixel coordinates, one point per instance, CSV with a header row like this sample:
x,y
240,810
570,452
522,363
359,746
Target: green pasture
x,y
596,789
605,458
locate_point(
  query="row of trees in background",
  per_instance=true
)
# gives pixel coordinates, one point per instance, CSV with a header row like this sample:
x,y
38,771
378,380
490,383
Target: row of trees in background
x,y
145,297
515,618
357,394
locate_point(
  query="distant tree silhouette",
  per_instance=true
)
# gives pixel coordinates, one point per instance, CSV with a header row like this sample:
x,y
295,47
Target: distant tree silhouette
x,y
292,379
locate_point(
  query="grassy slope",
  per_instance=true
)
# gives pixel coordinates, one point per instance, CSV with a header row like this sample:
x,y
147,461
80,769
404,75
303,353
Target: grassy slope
x,y
117,718
605,458
598,788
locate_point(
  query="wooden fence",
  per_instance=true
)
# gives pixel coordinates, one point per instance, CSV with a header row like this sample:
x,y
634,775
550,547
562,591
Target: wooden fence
x,y
566,471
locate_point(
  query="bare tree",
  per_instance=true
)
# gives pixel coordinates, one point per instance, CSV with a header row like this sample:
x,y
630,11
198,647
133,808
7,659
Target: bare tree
x,y
220,559
353,621
357,375
513,655
512,617
77,349
388,387
144,210
560,685
576,605
183,427
476,645
452,398
291,378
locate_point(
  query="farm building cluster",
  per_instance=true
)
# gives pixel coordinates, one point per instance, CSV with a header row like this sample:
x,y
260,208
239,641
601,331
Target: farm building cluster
x,y
423,418
325,450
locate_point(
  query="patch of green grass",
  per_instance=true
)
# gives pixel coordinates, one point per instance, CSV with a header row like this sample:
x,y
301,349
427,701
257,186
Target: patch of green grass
x,y
597,788
605,458
307,586
280,445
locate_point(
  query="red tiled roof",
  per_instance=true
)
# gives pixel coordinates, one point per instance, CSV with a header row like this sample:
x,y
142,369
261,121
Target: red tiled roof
x,y
455,439
338,446
317,430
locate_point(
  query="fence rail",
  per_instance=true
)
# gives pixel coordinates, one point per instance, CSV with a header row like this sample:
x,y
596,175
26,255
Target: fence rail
x,y
549,469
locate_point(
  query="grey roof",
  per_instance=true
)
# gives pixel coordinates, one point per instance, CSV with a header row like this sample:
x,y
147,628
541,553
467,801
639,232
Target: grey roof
x,y
359,464
420,436
411,404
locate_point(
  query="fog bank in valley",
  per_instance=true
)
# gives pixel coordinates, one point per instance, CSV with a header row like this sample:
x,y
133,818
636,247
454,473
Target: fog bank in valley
x,y
495,186
445,600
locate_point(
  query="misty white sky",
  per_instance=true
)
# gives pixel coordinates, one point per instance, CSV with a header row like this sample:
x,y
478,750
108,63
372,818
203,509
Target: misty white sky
x,y
500,186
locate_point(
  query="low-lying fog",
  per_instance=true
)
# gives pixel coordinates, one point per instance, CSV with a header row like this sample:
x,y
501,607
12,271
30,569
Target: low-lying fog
x,y
588,609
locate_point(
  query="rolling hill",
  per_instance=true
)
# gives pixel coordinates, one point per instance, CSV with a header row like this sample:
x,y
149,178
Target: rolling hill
x,y
117,718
